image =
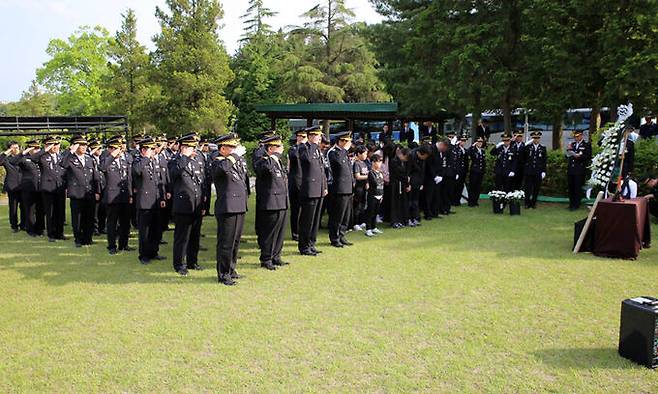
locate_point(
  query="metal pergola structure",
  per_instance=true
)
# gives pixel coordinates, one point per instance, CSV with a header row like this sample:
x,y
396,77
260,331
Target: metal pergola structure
x,y
12,126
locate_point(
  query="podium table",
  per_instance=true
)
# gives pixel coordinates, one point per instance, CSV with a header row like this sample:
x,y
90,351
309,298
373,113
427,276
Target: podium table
x,y
622,228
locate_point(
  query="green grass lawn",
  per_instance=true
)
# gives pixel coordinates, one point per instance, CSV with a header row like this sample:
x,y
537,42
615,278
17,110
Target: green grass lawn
x,y
474,302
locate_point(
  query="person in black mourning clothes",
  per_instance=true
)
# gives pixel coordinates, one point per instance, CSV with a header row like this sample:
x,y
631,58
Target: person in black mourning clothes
x,y
30,187
478,166
652,198
229,173
505,164
579,154
417,162
83,189
312,191
12,185
271,202
295,182
148,200
100,214
649,129
535,169
375,195
53,190
340,190
116,166
407,133
187,204
360,170
518,146
399,179
386,136
482,130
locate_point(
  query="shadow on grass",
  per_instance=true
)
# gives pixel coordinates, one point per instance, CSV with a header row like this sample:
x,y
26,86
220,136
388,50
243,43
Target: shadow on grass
x,y
583,358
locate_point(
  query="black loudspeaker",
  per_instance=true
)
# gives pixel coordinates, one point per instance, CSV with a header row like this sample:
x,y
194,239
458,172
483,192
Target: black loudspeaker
x,y
638,332
588,242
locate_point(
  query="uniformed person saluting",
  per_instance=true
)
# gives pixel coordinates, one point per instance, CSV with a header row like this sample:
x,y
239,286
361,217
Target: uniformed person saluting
x,y
295,182
313,189
187,204
148,201
535,169
97,153
579,154
30,186
12,185
52,188
229,173
505,164
340,190
83,188
271,202
116,166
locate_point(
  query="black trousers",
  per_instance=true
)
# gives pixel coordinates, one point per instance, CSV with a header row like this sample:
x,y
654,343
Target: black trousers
x,y
309,222
187,235
447,192
503,182
414,203
16,210
165,217
458,189
532,185
272,226
433,199
399,205
371,212
54,207
100,217
229,231
293,194
575,183
474,188
359,206
82,220
34,220
118,225
148,223
339,216
517,180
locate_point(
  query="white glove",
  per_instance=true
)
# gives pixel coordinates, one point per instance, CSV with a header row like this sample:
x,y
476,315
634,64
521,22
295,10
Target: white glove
x,y
453,140
543,175
529,141
498,145
457,177
511,174
438,179
240,150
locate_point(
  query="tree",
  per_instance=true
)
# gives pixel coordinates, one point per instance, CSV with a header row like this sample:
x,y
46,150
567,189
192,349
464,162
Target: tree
x,y
256,80
76,71
328,59
192,68
128,84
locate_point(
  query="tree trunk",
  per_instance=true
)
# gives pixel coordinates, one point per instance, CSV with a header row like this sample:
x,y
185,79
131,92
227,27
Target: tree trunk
x,y
557,131
594,120
507,113
475,116
325,126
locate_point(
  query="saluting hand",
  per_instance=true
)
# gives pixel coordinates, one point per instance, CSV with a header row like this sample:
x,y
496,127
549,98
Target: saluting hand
x,y
115,153
74,147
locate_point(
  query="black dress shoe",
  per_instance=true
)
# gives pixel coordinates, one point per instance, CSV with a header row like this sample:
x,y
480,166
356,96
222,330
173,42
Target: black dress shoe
x,y
346,242
428,218
280,263
227,280
112,251
235,275
268,266
144,260
337,244
63,238
15,230
182,272
127,249
308,253
78,245
158,257
196,267
163,242
51,239
316,251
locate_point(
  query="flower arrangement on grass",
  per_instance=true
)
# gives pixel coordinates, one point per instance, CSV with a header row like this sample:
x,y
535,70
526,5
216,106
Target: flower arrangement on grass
x,y
515,196
497,195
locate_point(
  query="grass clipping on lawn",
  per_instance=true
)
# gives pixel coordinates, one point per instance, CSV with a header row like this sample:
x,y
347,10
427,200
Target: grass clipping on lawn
x,y
472,302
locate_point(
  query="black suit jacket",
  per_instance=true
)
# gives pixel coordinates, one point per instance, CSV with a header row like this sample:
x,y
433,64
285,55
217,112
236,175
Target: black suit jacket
x,y
505,160
294,169
148,192
341,171
82,180
30,172
118,177
312,163
52,174
578,165
187,185
12,172
534,160
271,184
477,159
230,178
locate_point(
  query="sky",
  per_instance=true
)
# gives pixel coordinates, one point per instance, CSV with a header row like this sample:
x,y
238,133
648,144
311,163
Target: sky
x,y
26,27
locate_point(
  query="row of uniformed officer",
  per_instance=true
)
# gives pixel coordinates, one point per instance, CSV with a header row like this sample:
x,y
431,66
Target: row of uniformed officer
x,y
340,190
116,167
12,185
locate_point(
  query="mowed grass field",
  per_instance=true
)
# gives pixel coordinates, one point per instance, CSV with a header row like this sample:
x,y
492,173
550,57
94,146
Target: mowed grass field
x,y
474,302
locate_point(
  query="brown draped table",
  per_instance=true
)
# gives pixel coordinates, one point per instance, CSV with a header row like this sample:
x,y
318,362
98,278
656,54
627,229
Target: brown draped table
x,y
622,228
